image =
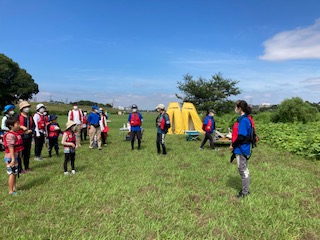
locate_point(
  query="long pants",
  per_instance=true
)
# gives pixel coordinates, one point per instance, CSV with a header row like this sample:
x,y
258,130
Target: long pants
x,y
84,133
26,152
207,136
133,135
53,143
244,172
104,137
95,131
69,157
160,142
38,145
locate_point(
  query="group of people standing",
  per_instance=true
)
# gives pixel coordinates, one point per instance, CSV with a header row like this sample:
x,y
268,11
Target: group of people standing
x,y
22,127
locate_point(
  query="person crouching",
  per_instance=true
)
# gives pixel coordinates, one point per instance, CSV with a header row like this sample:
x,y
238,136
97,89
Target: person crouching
x,y
69,143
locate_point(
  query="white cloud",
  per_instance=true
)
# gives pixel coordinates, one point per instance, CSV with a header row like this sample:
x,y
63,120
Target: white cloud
x,y
300,43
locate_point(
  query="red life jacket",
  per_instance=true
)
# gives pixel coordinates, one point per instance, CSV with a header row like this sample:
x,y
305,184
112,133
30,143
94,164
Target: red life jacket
x,y
72,116
135,120
163,122
22,123
71,137
41,122
235,128
85,120
18,144
52,131
207,127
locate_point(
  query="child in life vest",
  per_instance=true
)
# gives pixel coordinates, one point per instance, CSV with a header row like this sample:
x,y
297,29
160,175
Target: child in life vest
x,y
13,145
53,130
69,143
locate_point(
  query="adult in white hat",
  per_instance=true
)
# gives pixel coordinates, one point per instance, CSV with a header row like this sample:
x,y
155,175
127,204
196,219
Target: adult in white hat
x,y
27,127
69,143
40,130
76,115
162,124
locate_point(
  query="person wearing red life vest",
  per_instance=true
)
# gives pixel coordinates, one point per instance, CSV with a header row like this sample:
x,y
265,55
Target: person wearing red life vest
x,y
162,124
13,145
103,126
135,120
26,129
240,147
53,130
209,127
40,130
76,115
84,128
69,144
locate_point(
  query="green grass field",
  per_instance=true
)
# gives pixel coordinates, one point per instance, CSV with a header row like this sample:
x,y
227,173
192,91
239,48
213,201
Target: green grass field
x,y
118,193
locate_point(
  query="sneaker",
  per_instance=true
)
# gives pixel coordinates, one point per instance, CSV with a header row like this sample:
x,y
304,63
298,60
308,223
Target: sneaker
x,y
23,171
28,170
37,159
90,147
66,173
99,148
200,148
241,195
73,171
13,193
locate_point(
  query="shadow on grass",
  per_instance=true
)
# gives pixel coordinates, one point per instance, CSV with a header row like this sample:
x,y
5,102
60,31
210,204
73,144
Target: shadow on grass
x,y
35,182
234,181
44,163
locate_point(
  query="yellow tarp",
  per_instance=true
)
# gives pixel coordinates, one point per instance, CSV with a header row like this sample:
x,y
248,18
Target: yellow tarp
x,y
191,118
176,120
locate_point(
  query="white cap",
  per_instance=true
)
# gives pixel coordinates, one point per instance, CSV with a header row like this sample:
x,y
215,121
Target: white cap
x,y
161,106
40,105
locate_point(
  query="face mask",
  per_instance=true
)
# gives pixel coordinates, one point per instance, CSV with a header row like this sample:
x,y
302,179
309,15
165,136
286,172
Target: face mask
x,y
26,110
75,107
73,128
41,110
134,110
85,114
11,113
95,110
236,110
45,113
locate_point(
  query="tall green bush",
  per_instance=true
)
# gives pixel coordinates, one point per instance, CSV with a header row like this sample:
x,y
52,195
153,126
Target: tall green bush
x,y
295,110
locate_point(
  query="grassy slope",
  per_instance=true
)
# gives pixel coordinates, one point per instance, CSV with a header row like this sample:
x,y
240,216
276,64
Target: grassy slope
x,y
188,194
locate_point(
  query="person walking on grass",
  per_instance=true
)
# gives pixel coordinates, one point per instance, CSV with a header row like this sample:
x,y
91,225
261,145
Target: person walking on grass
x,y
40,130
69,143
13,145
240,146
26,130
162,124
94,127
209,127
76,115
135,120
53,130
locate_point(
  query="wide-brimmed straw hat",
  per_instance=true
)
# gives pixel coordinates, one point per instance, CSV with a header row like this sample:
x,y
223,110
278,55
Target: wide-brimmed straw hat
x,y
70,124
24,104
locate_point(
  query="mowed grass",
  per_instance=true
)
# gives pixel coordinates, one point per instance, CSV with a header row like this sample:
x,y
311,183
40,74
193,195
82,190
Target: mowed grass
x,y
118,193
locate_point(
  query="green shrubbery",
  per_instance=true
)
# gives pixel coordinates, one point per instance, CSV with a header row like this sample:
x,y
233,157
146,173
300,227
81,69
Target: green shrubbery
x,y
295,110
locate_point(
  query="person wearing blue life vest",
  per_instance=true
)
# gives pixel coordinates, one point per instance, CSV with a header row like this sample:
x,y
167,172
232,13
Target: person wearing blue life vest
x,y
135,120
8,111
209,128
94,127
240,147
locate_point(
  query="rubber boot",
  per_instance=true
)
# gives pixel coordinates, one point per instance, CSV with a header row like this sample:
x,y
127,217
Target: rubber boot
x,y
164,150
158,147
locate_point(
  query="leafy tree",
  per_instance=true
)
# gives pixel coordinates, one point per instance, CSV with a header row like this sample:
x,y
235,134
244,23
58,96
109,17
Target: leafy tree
x,y
206,94
295,110
15,82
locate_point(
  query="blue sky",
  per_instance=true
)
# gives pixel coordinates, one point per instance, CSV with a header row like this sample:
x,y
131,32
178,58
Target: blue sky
x,y
130,51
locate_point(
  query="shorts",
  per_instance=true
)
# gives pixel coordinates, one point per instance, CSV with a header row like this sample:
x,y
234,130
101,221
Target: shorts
x,y
11,170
